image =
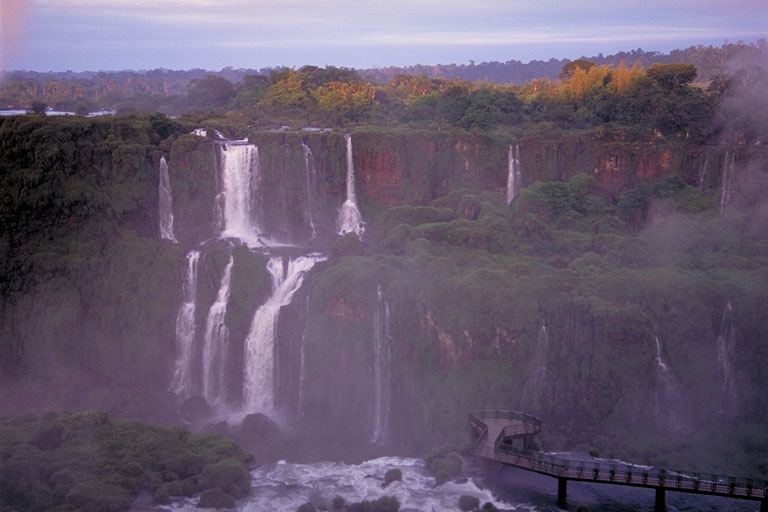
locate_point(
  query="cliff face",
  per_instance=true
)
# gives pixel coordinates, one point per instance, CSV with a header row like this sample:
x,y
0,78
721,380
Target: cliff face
x,y
487,305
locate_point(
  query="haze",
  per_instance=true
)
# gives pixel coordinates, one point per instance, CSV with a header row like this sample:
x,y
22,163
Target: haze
x,y
57,35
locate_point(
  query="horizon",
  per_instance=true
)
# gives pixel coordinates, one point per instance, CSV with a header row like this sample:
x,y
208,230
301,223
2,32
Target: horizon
x,y
120,35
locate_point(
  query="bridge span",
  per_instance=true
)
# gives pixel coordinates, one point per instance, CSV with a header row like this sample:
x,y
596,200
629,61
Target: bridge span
x,y
506,437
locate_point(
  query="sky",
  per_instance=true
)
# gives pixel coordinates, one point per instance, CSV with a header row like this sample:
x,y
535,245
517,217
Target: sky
x,y
79,35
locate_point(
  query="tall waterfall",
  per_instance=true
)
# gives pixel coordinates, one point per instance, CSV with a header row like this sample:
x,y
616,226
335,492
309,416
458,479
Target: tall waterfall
x,y
535,384
514,173
703,171
258,384
668,399
303,364
216,341
726,344
382,355
235,204
725,190
309,175
350,219
181,382
165,202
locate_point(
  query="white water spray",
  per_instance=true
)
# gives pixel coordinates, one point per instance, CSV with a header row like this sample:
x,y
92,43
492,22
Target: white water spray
x,y
535,384
514,172
181,382
703,171
382,355
258,384
309,174
725,189
235,205
726,344
350,219
216,341
669,405
165,203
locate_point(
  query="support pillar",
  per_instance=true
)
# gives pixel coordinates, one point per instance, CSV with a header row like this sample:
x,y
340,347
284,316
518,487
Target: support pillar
x,y
562,493
764,506
660,504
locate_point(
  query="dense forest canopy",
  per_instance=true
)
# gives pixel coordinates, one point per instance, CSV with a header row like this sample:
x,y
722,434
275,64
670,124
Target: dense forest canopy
x,y
606,89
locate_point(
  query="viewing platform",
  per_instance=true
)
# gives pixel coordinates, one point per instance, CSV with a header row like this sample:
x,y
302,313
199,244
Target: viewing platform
x,y
506,437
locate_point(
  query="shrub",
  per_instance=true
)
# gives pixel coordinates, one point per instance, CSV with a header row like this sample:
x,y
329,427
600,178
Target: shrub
x,y
224,475
216,498
338,502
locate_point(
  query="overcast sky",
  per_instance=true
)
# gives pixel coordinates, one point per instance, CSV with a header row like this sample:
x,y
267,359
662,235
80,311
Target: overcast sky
x,y
212,34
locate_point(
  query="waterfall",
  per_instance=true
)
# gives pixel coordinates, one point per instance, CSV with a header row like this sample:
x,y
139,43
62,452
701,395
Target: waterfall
x,y
165,203
514,173
350,219
668,399
382,354
533,390
703,171
309,174
216,340
258,384
303,364
726,343
181,382
240,175
200,132
725,191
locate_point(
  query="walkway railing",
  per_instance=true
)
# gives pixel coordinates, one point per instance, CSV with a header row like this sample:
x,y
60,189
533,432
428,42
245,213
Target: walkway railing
x,y
501,450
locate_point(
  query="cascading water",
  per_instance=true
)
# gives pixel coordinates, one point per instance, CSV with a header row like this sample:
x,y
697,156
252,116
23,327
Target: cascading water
x,y
165,203
216,341
725,189
514,173
703,171
235,205
181,382
302,365
382,355
668,400
726,344
309,174
350,219
533,390
258,384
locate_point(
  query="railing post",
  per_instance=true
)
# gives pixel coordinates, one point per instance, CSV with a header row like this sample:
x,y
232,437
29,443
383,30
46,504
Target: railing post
x,y
562,493
660,504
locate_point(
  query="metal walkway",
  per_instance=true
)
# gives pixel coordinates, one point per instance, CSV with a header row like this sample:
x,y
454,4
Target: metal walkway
x,y
497,436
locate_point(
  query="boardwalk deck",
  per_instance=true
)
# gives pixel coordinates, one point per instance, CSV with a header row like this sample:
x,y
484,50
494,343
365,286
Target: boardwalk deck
x,y
496,433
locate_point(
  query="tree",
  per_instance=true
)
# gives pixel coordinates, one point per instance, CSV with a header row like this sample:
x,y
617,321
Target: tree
x,y
37,107
671,77
210,91
583,64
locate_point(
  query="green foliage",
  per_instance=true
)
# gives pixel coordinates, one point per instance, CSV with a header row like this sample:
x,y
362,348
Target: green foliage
x,y
103,464
443,463
672,76
668,186
215,498
348,245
